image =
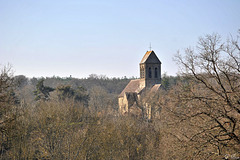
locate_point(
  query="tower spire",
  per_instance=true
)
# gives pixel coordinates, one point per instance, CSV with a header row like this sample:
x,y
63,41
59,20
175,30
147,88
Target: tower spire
x,y
150,47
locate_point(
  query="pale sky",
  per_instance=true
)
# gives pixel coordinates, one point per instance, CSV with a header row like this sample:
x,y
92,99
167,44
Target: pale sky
x,y
105,37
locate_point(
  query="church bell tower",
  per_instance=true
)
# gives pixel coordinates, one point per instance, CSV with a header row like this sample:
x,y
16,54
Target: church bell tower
x,y
150,69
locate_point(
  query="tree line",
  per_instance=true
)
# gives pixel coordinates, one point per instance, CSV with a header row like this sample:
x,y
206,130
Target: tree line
x,y
69,118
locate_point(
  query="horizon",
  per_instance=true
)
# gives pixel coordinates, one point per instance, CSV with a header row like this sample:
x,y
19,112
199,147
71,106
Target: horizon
x,y
79,38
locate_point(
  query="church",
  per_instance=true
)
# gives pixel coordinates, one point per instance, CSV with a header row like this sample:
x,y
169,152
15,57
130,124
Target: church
x,y
130,99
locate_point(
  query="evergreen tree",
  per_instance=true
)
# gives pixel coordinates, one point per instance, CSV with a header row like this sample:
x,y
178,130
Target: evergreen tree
x,y
42,92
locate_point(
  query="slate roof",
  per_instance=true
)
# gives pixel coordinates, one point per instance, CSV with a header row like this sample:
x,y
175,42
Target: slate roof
x,y
145,56
133,86
150,57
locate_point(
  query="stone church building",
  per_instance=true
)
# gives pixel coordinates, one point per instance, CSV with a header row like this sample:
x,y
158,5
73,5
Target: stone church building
x,y
130,99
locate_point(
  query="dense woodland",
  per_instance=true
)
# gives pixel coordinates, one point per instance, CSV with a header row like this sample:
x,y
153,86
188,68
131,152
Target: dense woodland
x,y
70,118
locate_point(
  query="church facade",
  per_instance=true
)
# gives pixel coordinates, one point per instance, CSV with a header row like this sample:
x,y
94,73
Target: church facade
x,y
130,99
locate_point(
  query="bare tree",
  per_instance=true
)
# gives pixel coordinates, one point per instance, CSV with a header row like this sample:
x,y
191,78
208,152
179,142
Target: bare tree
x,y
209,96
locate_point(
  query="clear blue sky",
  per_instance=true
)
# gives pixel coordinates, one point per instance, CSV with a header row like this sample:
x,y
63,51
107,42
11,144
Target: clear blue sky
x,y
108,37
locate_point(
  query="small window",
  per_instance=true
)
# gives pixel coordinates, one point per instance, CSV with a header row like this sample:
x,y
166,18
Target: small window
x,y
156,73
141,73
150,72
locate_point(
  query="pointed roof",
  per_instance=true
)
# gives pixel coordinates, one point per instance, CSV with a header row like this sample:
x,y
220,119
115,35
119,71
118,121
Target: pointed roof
x,y
150,57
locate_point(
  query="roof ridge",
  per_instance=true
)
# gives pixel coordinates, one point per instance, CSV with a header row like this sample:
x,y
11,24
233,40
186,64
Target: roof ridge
x,y
148,55
145,57
133,86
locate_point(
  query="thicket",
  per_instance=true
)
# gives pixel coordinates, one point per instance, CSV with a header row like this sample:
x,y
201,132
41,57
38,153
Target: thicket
x,y
62,125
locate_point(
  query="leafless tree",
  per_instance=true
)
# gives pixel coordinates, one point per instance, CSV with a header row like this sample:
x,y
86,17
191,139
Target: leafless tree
x,y
208,98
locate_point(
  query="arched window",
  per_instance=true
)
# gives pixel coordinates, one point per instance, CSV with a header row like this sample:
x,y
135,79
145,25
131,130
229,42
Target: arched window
x,y
156,73
149,72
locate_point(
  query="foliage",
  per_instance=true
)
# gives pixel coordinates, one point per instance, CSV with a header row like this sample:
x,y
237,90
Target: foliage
x,y
8,110
20,81
42,92
66,130
195,115
79,95
168,81
7,96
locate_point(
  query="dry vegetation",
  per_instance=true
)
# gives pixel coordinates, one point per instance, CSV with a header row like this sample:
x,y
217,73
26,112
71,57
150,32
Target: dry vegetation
x,y
56,118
